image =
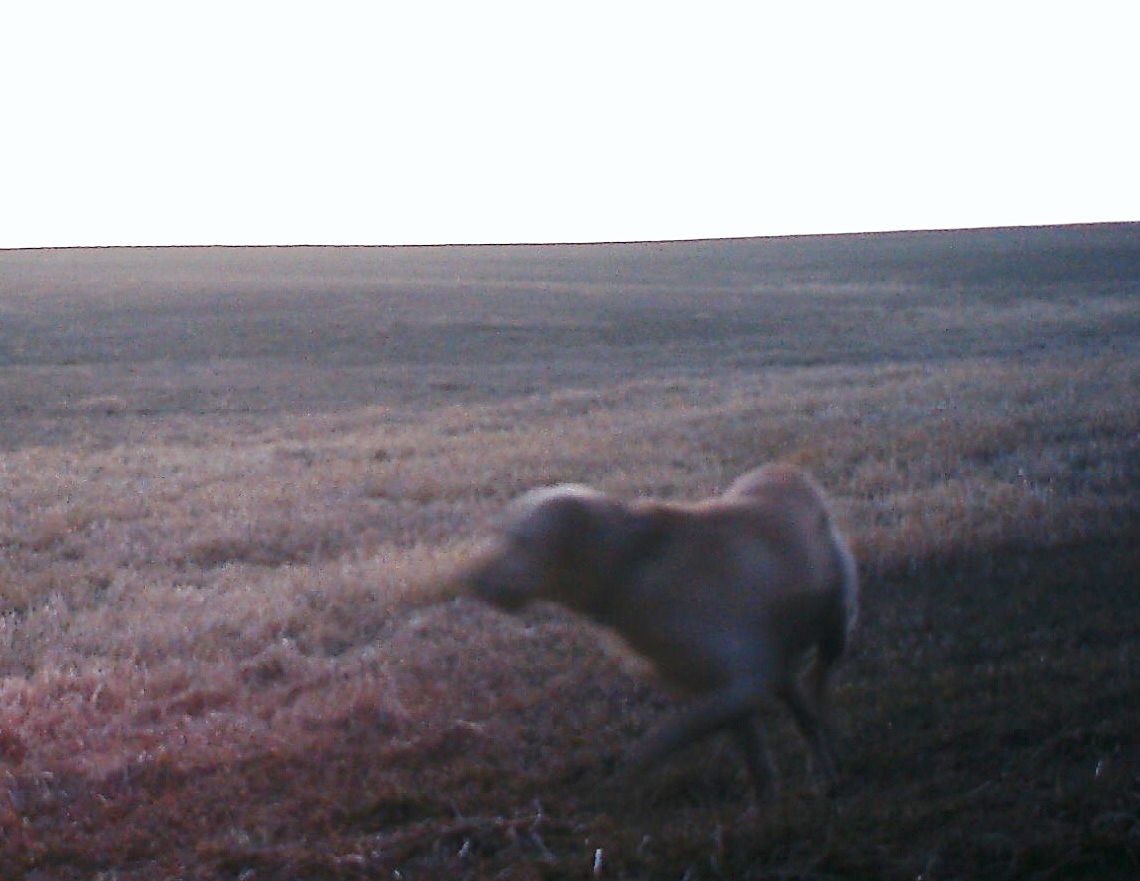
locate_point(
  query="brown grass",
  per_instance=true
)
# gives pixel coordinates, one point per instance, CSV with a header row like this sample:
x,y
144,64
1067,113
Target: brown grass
x,y
232,484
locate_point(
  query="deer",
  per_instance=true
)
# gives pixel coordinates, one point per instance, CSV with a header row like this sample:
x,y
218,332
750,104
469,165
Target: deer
x,y
735,600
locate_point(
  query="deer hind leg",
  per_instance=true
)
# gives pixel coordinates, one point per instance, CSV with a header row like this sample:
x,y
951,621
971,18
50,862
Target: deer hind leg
x,y
813,725
749,736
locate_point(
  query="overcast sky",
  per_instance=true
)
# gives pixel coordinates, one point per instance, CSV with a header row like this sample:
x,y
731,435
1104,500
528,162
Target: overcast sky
x,y
425,122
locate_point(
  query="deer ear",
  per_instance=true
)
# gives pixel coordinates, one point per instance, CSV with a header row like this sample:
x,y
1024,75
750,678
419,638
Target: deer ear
x,y
556,517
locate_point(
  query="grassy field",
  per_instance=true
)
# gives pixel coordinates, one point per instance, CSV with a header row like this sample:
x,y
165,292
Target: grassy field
x,y
233,483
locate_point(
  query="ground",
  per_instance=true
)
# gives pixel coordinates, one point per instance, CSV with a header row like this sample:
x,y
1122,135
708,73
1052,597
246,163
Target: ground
x,y
234,484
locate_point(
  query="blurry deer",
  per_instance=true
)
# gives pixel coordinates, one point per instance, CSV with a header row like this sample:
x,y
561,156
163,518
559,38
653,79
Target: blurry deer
x,y
734,599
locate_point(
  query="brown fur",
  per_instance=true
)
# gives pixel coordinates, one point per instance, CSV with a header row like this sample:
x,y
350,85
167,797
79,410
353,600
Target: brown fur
x,y
728,598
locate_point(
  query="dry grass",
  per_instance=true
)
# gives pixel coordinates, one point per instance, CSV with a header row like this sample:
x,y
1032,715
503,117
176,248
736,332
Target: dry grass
x,y
232,484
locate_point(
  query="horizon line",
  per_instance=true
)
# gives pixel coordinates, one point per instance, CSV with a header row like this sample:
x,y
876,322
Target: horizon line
x,y
593,242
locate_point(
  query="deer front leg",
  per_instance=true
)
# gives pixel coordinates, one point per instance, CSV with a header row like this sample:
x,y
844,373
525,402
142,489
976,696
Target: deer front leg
x,y
726,708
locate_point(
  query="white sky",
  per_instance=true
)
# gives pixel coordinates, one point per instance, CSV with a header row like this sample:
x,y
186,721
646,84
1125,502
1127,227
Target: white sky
x,y
158,123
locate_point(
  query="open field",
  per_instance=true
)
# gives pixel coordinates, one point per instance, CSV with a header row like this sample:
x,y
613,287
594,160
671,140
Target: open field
x,y
233,482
